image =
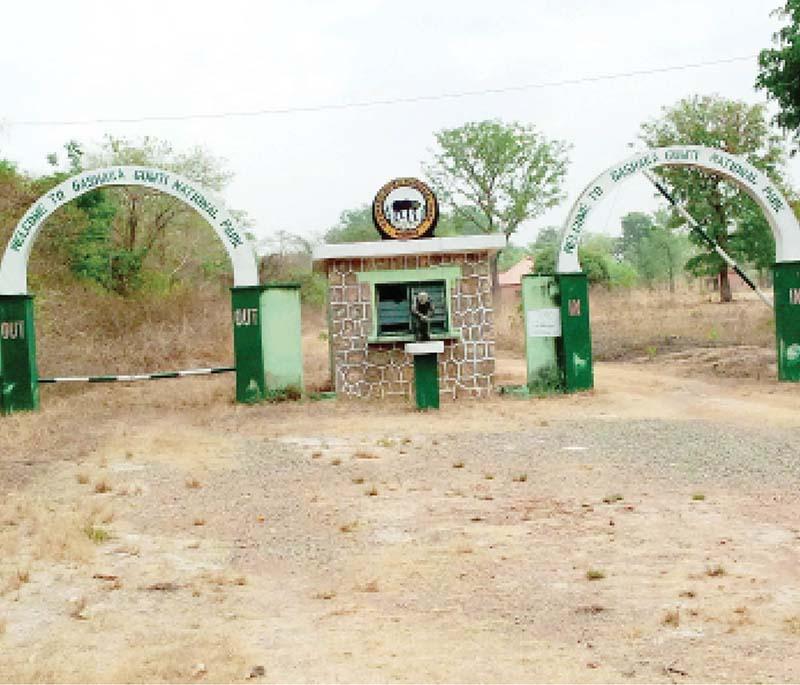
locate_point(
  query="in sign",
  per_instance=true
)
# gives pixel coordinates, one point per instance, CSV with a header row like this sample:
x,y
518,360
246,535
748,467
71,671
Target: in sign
x,y
574,307
794,295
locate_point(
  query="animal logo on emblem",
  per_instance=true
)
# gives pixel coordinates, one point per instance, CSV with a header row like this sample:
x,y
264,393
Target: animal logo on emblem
x,y
405,208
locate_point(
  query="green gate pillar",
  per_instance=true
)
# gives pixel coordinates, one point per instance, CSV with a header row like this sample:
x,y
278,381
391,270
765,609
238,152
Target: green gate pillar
x,y
542,317
426,372
248,343
267,341
786,289
575,347
19,378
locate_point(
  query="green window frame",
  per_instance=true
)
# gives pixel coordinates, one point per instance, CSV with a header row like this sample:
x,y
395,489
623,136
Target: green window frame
x,y
394,301
391,296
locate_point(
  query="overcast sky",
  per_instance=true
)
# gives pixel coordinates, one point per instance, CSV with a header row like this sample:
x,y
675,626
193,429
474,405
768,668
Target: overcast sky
x,y
79,60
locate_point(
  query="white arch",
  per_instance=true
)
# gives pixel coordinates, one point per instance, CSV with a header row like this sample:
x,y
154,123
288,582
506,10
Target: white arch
x,y
779,214
14,267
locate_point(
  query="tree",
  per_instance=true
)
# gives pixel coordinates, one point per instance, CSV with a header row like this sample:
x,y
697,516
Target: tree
x,y
663,251
720,207
653,246
137,228
779,70
497,175
594,255
354,226
510,256
636,226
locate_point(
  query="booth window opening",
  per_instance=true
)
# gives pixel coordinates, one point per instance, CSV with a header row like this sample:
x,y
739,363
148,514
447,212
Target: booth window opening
x,y
394,301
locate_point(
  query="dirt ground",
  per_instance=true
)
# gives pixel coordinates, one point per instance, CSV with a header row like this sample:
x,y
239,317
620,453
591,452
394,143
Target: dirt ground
x,y
648,531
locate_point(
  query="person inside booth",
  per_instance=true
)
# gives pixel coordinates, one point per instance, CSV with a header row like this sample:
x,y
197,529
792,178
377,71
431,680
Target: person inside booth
x,y
422,311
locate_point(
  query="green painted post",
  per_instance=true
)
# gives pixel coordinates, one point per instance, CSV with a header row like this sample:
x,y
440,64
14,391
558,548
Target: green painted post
x,y
19,378
426,380
283,348
786,289
575,346
248,344
542,317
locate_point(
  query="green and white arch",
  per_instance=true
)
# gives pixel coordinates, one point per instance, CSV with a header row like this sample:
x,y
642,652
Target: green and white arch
x,y
18,370
576,351
14,267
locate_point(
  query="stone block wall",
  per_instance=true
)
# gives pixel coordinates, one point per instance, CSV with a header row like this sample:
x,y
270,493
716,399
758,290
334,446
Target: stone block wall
x,y
378,370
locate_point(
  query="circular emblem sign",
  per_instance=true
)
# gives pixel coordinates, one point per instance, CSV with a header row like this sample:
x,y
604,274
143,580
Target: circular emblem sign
x,y
405,208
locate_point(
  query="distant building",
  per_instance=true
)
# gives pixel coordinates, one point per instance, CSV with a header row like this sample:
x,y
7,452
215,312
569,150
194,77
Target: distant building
x,y
511,281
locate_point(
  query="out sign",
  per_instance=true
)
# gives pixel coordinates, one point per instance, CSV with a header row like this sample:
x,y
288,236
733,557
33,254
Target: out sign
x,y
12,330
245,316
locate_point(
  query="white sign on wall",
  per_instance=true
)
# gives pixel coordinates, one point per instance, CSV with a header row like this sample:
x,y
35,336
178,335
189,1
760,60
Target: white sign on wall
x,y
543,323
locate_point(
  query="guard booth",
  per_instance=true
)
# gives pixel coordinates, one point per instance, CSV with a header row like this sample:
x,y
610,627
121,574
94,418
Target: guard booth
x,y
371,289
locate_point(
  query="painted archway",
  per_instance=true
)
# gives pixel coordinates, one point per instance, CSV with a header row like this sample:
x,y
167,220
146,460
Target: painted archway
x,y
576,336
18,369
14,267
776,209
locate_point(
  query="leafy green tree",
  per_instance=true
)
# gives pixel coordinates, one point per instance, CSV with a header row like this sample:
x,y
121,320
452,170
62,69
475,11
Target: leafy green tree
x,y
779,69
663,251
594,254
510,256
654,247
636,226
150,227
719,206
544,261
497,175
354,226
546,238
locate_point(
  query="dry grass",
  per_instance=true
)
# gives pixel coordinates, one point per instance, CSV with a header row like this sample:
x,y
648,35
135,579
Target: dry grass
x,y
672,618
102,486
643,322
792,624
76,607
82,330
364,454
595,574
36,529
193,484
646,323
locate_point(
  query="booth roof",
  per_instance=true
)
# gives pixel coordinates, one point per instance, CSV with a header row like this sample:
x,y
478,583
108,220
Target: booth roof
x,y
399,248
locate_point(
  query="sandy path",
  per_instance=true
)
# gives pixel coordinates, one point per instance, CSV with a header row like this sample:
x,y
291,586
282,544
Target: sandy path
x,y
348,542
